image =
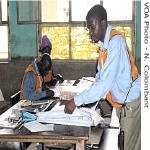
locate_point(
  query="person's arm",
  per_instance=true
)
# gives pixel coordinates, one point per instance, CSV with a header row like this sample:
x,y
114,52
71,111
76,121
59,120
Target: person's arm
x,y
107,76
29,88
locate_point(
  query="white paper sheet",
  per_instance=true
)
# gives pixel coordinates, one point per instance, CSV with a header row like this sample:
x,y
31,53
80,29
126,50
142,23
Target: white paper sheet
x,y
80,117
4,117
35,126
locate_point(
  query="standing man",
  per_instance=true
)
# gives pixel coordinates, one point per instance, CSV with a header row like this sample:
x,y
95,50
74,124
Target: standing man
x,y
117,77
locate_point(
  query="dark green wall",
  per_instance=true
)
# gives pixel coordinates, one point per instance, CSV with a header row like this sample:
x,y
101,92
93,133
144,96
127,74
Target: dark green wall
x,y
23,38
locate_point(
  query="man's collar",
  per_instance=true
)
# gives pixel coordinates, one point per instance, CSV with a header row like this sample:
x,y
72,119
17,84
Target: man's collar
x,y
104,45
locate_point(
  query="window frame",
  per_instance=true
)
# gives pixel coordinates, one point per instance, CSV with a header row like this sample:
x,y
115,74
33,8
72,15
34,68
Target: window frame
x,y
38,11
70,23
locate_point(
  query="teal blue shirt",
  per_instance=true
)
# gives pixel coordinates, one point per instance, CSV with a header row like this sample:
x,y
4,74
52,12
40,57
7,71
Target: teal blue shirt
x,y
115,76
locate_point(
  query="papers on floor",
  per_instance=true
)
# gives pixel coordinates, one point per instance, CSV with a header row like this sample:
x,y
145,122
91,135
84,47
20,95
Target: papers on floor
x,y
35,126
80,117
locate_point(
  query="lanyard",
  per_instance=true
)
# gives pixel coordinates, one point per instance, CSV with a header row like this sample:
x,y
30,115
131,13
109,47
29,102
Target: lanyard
x,y
124,104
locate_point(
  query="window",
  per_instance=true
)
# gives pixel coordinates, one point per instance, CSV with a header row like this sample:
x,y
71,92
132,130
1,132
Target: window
x,y
28,12
115,13
63,22
3,30
55,11
122,18
65,28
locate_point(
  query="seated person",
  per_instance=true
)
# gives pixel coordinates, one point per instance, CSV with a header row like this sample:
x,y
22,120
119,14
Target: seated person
x,y
46,47
33,85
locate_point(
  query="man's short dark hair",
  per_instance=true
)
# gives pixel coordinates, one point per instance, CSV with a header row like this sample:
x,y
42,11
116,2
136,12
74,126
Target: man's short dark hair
x,y
97,11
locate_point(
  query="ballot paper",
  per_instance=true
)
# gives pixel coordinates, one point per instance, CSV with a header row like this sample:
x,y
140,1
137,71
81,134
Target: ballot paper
x,y
67,90
80,117
85,83
35,126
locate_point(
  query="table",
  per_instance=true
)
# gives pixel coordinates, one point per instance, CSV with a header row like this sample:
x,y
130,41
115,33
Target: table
x,y
62,134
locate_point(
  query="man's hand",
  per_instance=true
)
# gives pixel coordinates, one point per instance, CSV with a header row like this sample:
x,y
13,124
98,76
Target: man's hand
x,y
69,106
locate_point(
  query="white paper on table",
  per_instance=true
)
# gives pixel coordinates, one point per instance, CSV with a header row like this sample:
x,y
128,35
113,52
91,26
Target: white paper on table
x,y
85,83
68,91
96,117
35,126
7,114
80,117
6,124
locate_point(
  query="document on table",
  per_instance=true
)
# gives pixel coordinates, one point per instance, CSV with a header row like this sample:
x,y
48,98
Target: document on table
x,y
80,117
67,86
4,118
35,126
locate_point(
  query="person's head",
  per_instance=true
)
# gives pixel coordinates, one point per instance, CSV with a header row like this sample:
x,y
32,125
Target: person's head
x,y
97,23
44,65
46,45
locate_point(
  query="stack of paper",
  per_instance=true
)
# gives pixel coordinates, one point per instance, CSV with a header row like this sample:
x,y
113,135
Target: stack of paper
x,y
35,126
80,117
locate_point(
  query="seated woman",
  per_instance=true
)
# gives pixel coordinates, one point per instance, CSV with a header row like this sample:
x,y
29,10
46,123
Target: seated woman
x,y
46,47
33,85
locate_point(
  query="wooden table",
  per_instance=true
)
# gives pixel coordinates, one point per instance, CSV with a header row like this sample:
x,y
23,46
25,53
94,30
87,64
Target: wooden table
x,y
62,134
